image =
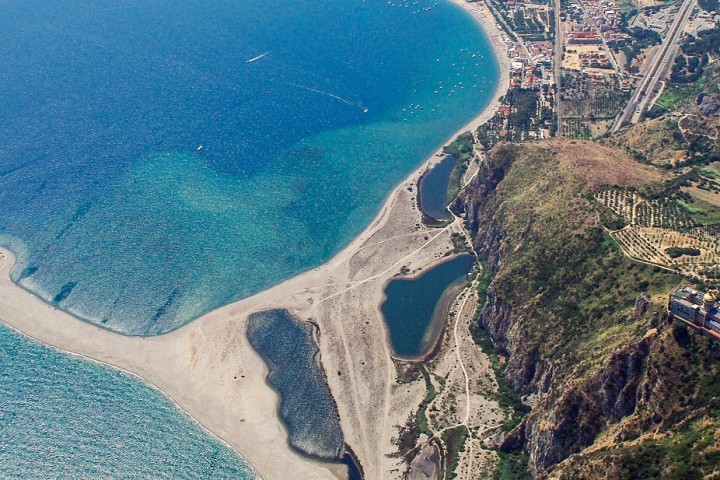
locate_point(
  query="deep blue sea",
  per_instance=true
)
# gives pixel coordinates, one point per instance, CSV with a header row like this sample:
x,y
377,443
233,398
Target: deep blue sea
x,y
64,417
120,218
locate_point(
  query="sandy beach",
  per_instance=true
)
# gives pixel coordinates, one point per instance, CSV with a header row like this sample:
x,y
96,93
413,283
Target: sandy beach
x,y
209,369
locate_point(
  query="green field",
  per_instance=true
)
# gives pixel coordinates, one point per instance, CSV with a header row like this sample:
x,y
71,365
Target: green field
x,y
703,212
712,171
677,94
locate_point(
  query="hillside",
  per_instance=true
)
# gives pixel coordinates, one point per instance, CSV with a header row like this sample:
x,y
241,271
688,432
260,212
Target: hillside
x,y
581,331
659,223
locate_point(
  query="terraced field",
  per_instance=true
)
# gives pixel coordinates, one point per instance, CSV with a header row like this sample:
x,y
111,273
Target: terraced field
x,y
667,233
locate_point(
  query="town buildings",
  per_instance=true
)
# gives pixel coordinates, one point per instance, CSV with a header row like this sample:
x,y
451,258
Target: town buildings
x,y
697,309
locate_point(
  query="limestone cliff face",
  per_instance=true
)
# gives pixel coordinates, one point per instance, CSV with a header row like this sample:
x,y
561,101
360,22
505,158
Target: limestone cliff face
x,y
579,411
484,212
568,312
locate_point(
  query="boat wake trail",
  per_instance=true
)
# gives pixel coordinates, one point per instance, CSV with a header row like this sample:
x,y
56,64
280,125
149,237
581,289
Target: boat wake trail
x,y
254,59
331,95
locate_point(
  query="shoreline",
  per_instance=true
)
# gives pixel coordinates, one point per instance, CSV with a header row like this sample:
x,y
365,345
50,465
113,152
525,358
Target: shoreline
x,y
132,375
477,10
202,385
74,336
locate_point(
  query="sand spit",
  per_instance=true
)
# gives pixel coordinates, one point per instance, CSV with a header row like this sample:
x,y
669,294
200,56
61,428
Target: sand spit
x,y
210,370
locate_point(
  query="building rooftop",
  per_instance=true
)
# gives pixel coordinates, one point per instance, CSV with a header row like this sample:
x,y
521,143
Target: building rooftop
x,y
700,302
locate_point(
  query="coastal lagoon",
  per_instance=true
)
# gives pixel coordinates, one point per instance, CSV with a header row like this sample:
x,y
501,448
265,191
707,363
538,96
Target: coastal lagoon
x,y
415,308
65,417
307,407
433,189
151,172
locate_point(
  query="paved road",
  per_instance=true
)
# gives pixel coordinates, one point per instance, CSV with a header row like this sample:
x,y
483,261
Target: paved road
x,y
557,65
500,19
659,65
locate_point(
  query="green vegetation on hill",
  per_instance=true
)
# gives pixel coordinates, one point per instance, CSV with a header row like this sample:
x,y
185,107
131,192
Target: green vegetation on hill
x,y
682,417
703,212
692,191
564,303
686,85
676,252
708,5
695,53
682,138
563,269
462,148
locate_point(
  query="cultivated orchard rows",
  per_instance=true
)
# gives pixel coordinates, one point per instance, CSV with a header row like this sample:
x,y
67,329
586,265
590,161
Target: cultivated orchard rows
x,y
654,228
647,213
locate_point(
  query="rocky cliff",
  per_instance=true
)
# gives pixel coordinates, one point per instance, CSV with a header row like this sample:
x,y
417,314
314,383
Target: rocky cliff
x,y
583,328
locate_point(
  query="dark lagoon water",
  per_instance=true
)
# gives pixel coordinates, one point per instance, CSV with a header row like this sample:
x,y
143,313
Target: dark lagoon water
x,y
116,214
64,417
434,189
415,307
306,405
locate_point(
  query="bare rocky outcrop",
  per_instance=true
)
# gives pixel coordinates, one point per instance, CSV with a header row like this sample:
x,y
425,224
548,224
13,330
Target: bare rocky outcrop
x,y
708,104
425,465
582,410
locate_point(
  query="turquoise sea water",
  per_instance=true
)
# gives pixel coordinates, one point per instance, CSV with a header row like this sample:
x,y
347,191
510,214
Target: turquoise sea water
x,y
413,306
64,417
119,218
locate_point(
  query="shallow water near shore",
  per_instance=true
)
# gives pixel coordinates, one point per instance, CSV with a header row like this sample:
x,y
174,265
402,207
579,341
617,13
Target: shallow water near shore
x,y
122,219
65,417
415,307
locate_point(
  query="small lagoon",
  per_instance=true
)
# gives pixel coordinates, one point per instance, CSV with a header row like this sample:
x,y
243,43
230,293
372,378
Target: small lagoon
x,y
415,308
433,189
307,407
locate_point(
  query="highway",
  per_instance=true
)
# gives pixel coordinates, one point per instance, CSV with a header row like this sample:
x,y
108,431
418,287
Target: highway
x,y
658,67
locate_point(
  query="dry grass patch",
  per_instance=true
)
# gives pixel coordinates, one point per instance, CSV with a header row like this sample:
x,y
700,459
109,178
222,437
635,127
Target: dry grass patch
x,y
601,166
659,141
